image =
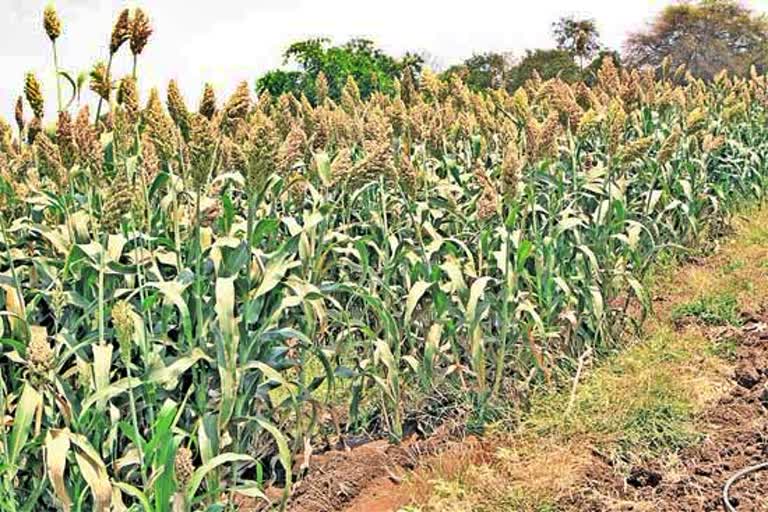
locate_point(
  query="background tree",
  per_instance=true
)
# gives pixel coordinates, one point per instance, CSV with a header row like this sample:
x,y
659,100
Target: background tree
x,y
579,37
279,81
372,69
548,63
484,71
707,36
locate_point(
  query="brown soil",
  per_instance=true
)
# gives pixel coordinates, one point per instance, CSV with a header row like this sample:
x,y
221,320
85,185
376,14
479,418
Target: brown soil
x,y
367,478
736,429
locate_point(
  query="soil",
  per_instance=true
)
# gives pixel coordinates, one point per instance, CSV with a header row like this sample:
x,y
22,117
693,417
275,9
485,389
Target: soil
x,y
368,478
736,430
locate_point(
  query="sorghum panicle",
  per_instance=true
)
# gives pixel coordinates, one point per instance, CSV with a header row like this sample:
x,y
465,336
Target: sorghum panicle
x,y
140,31
183,466
19,113
51,23
177,108
100,81
122,320
34,94
208,102
202,149
128,97
40,356
120,32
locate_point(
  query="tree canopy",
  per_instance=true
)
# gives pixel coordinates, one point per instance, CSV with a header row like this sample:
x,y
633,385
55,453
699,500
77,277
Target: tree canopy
x,y
372,69
707,37
548,63
484,71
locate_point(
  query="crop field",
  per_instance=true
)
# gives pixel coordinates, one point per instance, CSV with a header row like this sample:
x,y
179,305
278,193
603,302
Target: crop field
x,y
198,296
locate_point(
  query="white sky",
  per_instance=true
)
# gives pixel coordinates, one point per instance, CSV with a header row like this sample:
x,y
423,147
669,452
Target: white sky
x,y
227,41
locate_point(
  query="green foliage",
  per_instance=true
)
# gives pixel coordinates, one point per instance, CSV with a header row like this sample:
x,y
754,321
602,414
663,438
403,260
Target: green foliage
x,y
660,422
637,405
192,301
372,69
279,81
484,71
718,309
548,64
497,71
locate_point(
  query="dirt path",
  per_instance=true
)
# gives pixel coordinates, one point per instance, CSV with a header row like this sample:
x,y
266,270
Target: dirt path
x,y
735,430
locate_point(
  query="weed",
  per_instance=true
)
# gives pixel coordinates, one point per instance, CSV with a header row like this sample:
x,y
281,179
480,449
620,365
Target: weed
x,y
715,310
724,348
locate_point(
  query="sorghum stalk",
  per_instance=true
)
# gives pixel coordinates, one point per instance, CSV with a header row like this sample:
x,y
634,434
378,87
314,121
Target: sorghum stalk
x,y
102,266
8,483
507,211
58,78
198,270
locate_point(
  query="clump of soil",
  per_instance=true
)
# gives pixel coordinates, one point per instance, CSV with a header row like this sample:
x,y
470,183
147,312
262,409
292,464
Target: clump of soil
x,y
643,477
736,429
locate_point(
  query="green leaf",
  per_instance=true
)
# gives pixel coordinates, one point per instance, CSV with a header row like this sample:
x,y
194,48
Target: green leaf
x,y
26,408
273,274
416,292
225,312
199,474
284,453
135,493
166,376
72,84
172,290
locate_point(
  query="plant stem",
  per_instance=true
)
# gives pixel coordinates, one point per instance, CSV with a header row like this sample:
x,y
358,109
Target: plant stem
x,y
502,349
198,272
102,264
58,81
135,419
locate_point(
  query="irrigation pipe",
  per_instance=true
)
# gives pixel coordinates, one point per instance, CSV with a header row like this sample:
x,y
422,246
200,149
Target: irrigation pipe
x,y
738,476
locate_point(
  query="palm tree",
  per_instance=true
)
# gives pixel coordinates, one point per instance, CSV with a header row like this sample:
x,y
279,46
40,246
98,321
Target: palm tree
x,y
579,37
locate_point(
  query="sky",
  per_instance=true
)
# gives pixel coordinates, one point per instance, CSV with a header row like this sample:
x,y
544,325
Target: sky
x,y
227,41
